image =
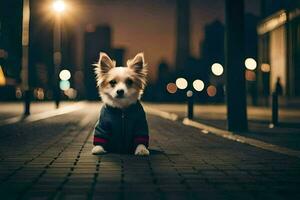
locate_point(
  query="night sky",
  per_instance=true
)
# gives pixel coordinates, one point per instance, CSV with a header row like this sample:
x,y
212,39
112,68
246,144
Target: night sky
x,y
145,26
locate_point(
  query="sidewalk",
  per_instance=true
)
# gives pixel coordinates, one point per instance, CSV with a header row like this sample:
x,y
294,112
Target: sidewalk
x,y
51,159
14,109
287,134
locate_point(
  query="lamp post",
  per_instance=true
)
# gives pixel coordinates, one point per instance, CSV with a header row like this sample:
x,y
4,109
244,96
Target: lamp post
x,y
58,7
25,54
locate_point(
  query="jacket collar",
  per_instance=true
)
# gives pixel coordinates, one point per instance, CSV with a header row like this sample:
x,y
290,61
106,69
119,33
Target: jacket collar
x,y
128,109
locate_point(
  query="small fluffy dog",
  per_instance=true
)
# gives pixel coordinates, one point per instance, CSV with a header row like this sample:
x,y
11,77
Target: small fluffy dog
x,y
122,126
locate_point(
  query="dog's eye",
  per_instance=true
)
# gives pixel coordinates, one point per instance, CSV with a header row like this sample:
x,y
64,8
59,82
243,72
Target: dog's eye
x,y
129,82
112,83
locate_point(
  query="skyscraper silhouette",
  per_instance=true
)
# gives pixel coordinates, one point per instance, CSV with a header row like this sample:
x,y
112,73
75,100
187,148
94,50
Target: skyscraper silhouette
x,y
183,33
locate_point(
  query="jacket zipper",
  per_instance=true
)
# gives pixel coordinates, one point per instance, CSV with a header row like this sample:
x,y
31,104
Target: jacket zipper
x,y
123,131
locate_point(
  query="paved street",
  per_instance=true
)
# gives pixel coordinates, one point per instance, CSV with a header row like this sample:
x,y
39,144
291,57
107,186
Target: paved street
x,y
50,159
286,134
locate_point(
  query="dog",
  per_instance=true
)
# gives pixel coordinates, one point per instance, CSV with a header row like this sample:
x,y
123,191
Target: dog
x,y
122,126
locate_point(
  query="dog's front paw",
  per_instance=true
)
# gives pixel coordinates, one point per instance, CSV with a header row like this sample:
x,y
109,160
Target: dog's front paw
x,y
141,150
98,150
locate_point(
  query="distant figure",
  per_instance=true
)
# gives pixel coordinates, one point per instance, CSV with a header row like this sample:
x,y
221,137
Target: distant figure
x,y
278,87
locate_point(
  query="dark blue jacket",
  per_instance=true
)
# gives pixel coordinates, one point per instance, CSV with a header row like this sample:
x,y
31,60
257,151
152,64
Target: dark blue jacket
x,y
120,131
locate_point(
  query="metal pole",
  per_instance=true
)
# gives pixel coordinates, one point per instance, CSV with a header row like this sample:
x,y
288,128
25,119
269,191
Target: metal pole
x,y
275,109
57,56
190,104
235,70
25,54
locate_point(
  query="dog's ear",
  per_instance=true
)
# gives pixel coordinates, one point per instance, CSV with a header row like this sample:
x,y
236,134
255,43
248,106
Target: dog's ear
x,y
137,63
104,64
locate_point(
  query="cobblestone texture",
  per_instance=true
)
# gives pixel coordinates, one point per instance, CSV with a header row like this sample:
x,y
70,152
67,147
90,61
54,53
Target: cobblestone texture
x,y
51,159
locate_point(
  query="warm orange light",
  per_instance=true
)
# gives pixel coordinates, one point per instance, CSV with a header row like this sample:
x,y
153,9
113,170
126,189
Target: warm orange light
x,y
59,6
2,77
39,93
265,67
171,88
250,75
71,93
211,91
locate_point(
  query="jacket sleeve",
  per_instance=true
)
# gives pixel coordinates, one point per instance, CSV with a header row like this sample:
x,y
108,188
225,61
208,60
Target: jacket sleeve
x,y
102,130
141,130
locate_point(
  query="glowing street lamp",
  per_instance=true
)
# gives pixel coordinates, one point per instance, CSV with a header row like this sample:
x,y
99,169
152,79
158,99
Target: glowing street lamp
x,y
181,83
250,64
217,69
198,85
265,67
65,75
59,6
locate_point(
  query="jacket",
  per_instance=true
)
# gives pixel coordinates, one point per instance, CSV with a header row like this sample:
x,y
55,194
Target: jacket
x,y
120,131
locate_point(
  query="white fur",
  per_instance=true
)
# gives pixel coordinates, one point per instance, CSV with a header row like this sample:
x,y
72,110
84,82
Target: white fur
x,y
98,150
131,95
106,70
141,150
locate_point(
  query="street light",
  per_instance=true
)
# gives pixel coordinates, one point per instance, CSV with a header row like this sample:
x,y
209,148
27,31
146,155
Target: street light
x,y
25,54
181,83
250,64
198,85
65,75
217,69
265,67
58,7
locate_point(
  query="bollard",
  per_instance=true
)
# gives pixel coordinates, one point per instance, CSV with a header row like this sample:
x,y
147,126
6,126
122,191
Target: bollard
x,y
275,109
57,97
190,102
27,100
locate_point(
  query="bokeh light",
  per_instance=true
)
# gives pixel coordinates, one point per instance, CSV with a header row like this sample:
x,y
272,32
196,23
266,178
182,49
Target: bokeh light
x,y
71,93
217,69
198,85
181,83
65,75
265,67
171,88
250,64
64,85
189,93
2,77
18,93
59,6
39,93
250,75
211,91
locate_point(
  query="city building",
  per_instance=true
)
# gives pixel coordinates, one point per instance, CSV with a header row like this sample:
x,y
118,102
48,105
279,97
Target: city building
x,y
279,49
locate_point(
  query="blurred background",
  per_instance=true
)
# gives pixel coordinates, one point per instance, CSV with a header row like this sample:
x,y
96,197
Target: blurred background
x,y
183,42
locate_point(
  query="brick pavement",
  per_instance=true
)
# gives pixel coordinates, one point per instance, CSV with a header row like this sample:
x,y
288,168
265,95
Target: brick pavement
x,y
51,159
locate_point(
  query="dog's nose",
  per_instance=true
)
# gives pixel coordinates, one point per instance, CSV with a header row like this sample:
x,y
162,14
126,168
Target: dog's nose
x,y
120,92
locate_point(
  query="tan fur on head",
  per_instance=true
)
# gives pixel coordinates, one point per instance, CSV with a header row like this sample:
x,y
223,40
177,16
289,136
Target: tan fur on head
x,y
103,66
139,66
120,86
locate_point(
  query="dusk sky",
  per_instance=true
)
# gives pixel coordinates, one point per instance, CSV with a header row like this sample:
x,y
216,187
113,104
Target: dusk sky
x,y
149,27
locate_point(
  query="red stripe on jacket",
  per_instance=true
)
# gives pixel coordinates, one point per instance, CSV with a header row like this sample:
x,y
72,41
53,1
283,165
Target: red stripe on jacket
x,y
141,140
99,140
